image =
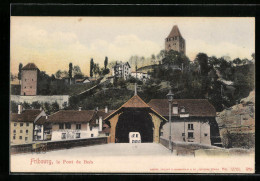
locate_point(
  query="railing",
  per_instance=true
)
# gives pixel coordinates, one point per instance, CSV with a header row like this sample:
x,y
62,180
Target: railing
x,y
55,145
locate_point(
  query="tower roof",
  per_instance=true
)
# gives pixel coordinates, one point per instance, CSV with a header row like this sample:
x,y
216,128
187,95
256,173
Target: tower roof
x,y
174,32
30,66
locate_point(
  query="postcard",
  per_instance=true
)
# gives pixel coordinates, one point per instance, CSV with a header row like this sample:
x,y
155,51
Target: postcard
x,y
132,94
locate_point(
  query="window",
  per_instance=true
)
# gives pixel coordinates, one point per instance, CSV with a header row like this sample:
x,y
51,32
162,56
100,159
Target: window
x,y
14,131
161,133
67,126
25,87
78,126
90,128
15,124
26,138
21,124
183,134
20,137
190,126
190,135
30,86
61,126
107,134
205,134
63,136
25,80
26,131
14,137
92,135
21,131
40,130
32,79
136,135
77,135
27,124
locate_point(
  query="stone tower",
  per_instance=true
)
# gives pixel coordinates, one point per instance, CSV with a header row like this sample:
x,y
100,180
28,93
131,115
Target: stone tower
x,y
29,80
175,41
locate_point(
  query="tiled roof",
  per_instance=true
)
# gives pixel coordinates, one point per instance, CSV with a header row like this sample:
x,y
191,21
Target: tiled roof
x,y
25,116
135,102
42,120
195,107
30,66
71,116
174,32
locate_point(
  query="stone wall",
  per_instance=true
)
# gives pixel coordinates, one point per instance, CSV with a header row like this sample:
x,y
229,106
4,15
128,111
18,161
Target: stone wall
x,y
60,99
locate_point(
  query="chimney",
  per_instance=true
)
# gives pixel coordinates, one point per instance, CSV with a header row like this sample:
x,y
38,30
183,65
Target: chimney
x,y
79,108
106,109
100,123
46,116
174,108
96,108
20,109
40,108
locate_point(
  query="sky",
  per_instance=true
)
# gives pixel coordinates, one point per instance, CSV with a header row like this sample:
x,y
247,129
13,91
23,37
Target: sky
x,y
53,42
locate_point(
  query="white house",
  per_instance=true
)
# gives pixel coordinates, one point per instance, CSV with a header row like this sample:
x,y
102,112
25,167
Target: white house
x,y
122,70
193,120
140,75
76,124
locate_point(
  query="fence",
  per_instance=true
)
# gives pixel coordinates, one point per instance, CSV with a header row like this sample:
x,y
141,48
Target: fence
x,y
55,145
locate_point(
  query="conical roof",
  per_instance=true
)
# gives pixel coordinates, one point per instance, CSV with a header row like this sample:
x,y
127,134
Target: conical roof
x,y
30,66
175,32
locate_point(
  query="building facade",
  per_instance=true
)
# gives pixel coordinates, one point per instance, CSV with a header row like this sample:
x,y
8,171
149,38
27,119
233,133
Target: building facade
x,y
140,75
193,120
22,125
175,41
29,76
122,70
77,124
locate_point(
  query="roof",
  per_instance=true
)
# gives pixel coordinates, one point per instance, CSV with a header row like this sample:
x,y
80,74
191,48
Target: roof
x,y
72,116
42,120
25,116
135,102
195,107
30,66
174,32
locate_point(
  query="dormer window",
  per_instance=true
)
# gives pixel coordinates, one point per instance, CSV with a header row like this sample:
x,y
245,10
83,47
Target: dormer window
x,y
183,109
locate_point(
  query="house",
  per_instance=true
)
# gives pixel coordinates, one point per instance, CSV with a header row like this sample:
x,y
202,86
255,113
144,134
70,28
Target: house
x,y
29,80
140,75
77,124
42,129
22,125
193,120
122,70
82,81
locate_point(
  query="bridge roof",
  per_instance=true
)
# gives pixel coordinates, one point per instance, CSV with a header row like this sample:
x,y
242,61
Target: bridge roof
x,y
135,102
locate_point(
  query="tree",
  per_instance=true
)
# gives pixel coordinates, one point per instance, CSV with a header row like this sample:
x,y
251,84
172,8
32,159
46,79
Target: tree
x,y
36,105
54,107
77,72
58,74
96,69
105,63
237,61
91,67
20,72
70,72
202,59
